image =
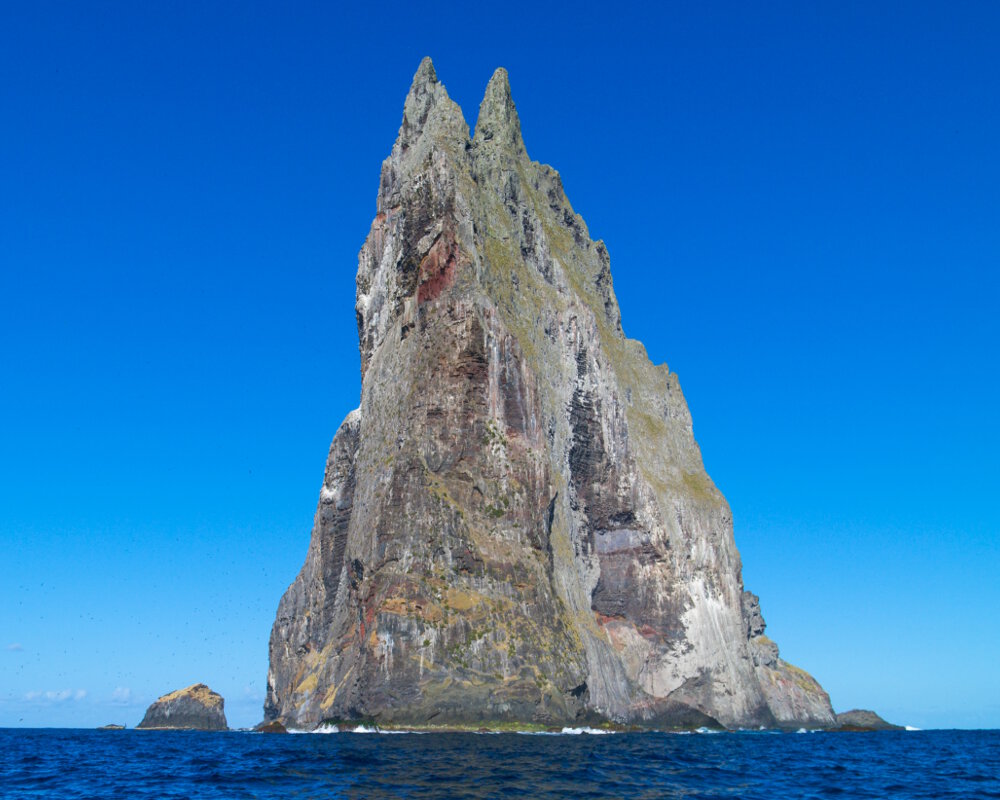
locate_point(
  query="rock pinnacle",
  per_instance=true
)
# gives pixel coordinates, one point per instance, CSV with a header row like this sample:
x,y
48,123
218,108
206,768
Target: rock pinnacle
x,y
498,124
515,526
429,112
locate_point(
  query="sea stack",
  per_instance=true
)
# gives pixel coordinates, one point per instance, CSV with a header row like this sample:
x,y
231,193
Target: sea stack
x,y
195,708
515,525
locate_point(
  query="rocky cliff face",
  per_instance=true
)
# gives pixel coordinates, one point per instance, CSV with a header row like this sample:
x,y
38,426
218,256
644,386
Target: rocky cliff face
x,y
793,696
515,524
197,707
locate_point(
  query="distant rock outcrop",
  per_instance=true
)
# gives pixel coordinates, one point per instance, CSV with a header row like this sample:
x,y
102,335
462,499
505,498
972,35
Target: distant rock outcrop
x,y
795,698
863,720
195,708
111,727
515,526
271,727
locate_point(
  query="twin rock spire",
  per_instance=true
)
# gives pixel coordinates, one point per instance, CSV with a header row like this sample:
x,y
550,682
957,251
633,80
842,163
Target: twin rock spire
x,y
428,109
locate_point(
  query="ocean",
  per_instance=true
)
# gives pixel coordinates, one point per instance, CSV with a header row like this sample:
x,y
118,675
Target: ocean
x,y
60,763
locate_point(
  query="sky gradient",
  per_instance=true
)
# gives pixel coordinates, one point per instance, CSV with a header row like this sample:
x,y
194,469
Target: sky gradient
x,y
803,216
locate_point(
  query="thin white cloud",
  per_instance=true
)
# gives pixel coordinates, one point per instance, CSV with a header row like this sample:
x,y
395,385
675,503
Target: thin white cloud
x,y
252,693
15,647
60,696
121,696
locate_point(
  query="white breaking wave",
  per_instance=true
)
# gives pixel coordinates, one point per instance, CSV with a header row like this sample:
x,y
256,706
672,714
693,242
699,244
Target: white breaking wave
x,y
321,729
595,731
359,729
697,730
566,732
911,728
367,729
327,729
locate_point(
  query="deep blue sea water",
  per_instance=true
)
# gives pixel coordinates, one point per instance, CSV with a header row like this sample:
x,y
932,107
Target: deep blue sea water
x,y
159,764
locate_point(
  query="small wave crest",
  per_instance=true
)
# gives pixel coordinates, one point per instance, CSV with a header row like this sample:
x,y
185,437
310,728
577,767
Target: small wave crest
x,y
372,729
356,729
320,729
567,732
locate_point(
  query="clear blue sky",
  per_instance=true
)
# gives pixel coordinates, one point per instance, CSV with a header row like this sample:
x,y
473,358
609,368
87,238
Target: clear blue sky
x,y
803,214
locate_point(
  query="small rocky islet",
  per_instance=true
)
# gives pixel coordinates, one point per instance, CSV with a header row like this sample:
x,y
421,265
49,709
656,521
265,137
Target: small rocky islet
x,y
194,708
862,720
515,527
271,727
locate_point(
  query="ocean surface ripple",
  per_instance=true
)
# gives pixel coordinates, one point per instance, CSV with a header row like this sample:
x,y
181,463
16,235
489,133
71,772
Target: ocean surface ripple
x,y
139,764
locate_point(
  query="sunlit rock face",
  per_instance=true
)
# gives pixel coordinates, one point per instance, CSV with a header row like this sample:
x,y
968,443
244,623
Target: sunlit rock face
x,y
793,696
515,525
194,708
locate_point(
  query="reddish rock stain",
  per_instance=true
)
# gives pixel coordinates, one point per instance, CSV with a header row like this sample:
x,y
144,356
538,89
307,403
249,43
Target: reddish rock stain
x,y
437,270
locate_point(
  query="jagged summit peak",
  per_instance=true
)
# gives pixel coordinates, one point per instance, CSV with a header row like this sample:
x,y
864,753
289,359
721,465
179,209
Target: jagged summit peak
x,y
499,85
429,111
498,122
425,72
424,89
